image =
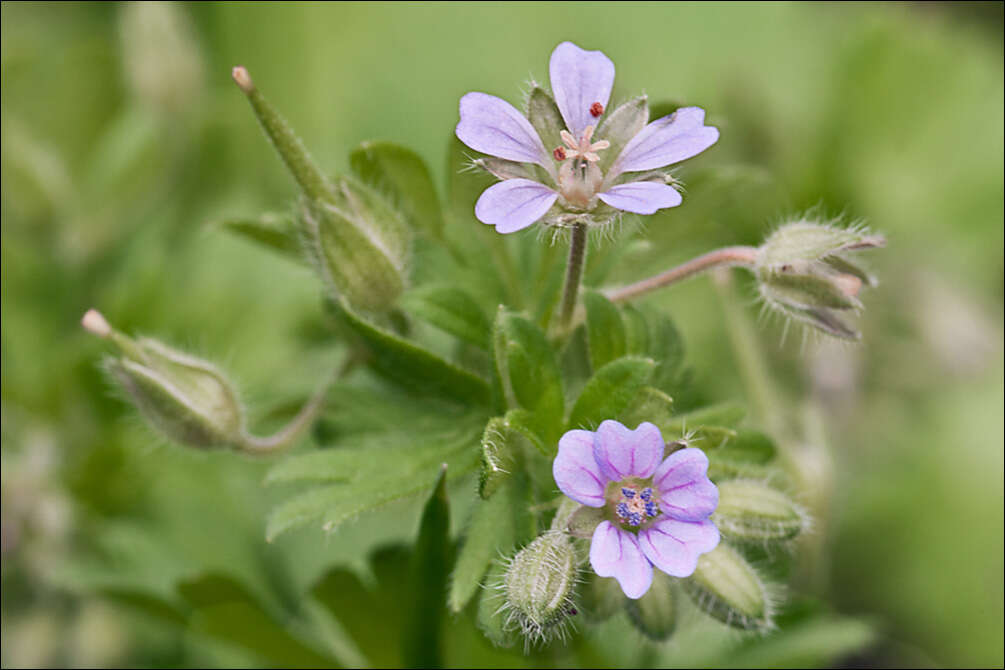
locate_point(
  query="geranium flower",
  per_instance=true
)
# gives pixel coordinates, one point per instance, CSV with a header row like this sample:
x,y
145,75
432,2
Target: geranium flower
x,y
568,158
655,511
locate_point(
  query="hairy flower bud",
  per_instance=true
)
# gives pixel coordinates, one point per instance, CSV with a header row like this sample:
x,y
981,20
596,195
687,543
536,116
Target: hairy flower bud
x,y
359,241
361,244
184,397
539,586
752,511
727,588
188,399
804,272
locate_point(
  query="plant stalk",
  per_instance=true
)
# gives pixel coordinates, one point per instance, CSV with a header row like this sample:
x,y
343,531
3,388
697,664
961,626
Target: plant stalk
x,y
725,257
573,274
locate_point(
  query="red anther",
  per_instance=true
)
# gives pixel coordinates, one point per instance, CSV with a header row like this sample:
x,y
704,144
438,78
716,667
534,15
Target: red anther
x,y
559,153
596,109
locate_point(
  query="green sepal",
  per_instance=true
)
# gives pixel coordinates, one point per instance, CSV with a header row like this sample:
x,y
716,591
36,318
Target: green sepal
x,y
610,391
404,175
752,511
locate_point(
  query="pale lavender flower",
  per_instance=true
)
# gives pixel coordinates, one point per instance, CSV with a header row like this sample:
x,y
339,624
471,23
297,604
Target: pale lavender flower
x,y
569,159
655,510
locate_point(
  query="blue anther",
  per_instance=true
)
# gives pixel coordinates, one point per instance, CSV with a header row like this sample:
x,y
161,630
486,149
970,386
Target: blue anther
x,y
635,519
622,510
651,509
628,493
647,493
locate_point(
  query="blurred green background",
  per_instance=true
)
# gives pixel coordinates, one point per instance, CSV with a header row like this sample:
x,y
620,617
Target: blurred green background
x,y
123,135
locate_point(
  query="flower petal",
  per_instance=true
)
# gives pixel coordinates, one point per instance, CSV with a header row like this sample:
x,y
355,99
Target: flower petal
x,y
493,126
668,140
514,204
674,546
575,471
580,78
615,553
641,197
685,490
621,453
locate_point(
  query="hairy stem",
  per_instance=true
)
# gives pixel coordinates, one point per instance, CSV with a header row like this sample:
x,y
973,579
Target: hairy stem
x,y
725,257
573,274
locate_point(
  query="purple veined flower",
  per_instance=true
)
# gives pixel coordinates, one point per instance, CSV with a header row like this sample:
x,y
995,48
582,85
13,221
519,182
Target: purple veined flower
x,y
655,510
570,159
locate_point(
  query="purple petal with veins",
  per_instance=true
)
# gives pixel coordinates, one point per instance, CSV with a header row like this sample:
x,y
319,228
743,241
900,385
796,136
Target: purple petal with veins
x,y
514,204
641,197
616,553
685,490
580,78
493,126
621,452
665,141
673,546
575,470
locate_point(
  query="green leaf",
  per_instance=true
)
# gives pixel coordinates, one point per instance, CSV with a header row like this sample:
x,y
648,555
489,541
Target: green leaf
x,y
274,230
429,569
528,370
605,332
636,331
491,611
452,310
817,642
748,446
490,533
392,474
610,390
649,404
505,443
404,174
226,611
666,346
709,427
414,367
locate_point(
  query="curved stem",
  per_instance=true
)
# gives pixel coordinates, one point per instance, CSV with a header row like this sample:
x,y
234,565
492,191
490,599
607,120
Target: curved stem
x,y
573,274
288,435
725,257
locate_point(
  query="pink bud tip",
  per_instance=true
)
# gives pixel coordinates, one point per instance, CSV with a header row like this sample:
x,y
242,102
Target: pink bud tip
x,y
94,322
243,79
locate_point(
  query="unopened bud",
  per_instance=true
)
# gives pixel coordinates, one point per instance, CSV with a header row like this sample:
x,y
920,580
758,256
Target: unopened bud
x,y
804,272
752,511
362,245
655,613
539,586
94,322
184,397
727,588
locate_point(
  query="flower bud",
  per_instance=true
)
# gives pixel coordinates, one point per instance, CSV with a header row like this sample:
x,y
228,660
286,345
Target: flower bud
x,y
184,397
727,588
655,613
539,586
600,598
359,241
804,272
361,245
752,511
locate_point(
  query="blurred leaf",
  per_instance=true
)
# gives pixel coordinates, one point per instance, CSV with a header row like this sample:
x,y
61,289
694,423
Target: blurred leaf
x,y
416,368
273,230
491,610
816,642
388,474
527,366
610,390
404,174
748,446
605,332
373,615
430,567
490,533
225,611
649,404
452,310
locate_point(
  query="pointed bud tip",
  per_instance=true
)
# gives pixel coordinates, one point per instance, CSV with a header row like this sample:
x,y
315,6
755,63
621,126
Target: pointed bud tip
x,y
242,79
94,322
